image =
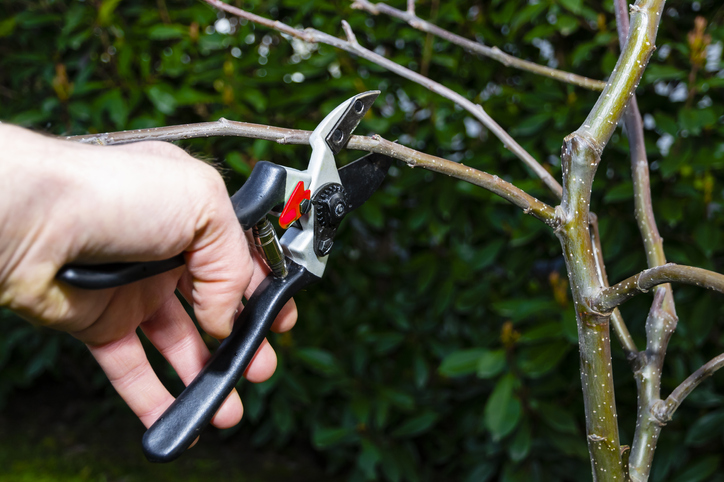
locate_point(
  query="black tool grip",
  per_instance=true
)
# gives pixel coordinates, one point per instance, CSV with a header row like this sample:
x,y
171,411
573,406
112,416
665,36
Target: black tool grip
x,y
260,193
192,411
110,275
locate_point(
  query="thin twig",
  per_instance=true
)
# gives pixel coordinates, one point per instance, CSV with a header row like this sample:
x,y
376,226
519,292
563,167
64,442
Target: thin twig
x,y
413,158
664,409
609,298
410,7
351,45
491,52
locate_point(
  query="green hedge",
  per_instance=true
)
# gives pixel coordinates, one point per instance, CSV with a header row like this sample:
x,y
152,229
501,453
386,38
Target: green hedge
x,y
441,344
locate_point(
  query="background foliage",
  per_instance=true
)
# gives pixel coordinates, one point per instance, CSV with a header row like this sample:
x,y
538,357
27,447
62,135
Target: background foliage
x,y
442,342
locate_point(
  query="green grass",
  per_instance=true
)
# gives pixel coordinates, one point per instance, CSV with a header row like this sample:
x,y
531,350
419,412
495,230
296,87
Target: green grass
x,y
47,435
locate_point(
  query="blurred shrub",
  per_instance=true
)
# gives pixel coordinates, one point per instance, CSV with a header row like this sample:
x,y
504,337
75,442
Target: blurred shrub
x,y
441,343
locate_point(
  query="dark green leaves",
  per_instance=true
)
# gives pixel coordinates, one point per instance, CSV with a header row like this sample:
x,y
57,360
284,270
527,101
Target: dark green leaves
x,y
519,447
321,361
416,425
163,98
461,362
699,470
538,360
167,32
503,409
485,363
326,437
491,363
705,429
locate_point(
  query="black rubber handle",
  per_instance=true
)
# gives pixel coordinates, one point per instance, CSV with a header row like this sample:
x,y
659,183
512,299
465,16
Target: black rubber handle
x,y
260,193
192,411
101,276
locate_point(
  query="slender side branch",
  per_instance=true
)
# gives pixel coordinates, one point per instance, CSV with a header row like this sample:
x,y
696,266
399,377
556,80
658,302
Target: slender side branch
x,y
662,320
491,52
619,326
411,157
663,410
609,298
351,45
219,128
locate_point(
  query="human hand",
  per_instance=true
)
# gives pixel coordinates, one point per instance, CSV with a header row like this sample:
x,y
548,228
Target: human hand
x,y
63,202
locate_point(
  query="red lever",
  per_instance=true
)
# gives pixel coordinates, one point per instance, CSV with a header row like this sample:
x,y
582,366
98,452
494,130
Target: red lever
x,y
293,208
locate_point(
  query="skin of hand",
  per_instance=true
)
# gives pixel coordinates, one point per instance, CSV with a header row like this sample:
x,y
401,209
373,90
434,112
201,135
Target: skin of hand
x,y
64,202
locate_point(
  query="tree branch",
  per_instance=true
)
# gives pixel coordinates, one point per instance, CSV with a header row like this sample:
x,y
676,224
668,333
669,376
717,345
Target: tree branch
x,y
663,410
491,52
411,157
661,321
351,45
609,298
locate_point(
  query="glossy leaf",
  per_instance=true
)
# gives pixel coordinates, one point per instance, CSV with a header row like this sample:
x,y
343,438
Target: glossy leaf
x,y
503,409
462,362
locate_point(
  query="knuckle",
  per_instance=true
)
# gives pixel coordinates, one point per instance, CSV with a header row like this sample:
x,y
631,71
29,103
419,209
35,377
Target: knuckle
x,y
159,148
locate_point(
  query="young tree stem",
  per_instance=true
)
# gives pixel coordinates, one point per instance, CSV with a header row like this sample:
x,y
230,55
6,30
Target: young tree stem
x,y
581,155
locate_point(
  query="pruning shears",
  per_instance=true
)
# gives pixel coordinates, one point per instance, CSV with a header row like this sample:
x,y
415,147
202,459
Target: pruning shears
x,y
310,204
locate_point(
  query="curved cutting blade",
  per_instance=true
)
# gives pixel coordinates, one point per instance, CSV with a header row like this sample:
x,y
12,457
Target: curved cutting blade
x,y
363,177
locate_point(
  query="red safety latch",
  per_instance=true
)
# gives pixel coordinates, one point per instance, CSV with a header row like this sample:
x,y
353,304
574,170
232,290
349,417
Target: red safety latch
x,y
296,206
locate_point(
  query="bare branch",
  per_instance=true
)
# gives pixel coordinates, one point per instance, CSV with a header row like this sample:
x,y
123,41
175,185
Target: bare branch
x,y
351,38
222,127
411,157
619,326
410,7
315,36
663,410
662,319
611,297
647,372
491,52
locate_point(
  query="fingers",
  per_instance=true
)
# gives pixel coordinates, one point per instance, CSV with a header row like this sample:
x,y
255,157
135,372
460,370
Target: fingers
x,y
127,306
219,265
173,333
263,364
128,370
287,317
285,320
